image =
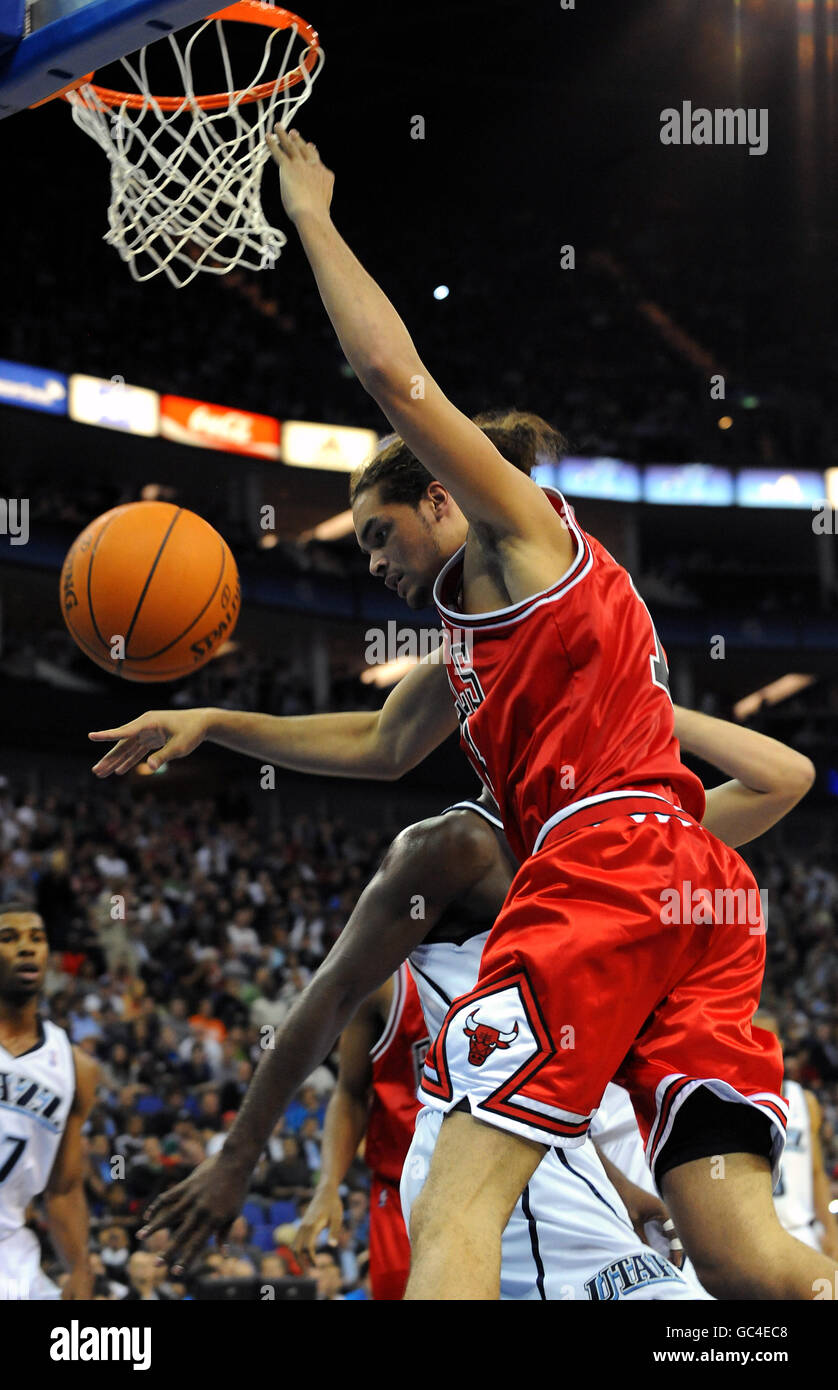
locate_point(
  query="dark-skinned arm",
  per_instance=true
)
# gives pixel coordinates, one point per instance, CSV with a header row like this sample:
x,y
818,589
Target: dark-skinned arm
x,y
424,870
346,1118
68,1220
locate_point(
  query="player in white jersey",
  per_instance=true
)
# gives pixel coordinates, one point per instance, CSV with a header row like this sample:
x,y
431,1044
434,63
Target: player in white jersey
x,y
570,1236
802,1195
445,870
47,1088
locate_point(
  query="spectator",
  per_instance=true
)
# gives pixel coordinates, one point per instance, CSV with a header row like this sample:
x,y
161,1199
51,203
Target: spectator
x,y
288,1178
307,1105
327,1273
115,1251
284,1236
145,1277
309,1137
197,1071
267,1009
363,1290
216,1142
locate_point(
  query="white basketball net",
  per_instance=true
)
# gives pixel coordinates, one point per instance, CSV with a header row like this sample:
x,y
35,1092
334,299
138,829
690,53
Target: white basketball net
x,y
185,184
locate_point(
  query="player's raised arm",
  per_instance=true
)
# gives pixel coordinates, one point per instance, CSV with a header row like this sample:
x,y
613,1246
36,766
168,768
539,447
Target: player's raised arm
x,y
769,778
490,490
378,744
379,935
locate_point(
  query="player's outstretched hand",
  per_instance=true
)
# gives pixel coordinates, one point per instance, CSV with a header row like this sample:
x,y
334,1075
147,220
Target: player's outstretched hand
x,y
204,1205
324,1209
305,183
174,733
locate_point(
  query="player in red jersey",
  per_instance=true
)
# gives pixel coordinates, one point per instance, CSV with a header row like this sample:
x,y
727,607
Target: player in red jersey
x,y
381,1056
585,967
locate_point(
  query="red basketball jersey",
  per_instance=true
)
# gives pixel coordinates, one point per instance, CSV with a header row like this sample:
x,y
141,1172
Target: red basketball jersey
x,y
564,695
397,1061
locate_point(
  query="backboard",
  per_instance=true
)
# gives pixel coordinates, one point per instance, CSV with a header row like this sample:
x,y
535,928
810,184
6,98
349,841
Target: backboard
x,y
49,45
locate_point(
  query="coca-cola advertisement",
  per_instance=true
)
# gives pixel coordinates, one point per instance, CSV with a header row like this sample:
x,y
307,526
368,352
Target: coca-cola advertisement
x,y
219,427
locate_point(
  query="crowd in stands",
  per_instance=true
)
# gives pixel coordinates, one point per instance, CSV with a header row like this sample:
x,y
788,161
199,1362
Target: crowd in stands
x,y
179,939
180,936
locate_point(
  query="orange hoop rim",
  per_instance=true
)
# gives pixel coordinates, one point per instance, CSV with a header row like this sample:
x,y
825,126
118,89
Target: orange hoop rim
x,y
244,12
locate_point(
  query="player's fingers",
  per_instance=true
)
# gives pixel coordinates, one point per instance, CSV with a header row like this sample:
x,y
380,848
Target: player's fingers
x,y
140,725
175,748
107,763
128,752
282,139
676,1248
191,1239
182,1229
159,1212
132,758
222,1235
102,735
307,1236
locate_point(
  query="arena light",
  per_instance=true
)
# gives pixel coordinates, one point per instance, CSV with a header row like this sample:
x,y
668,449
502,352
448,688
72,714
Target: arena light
x,y
771,694
441,292
334,528
343,448
725,422
389,672
268,541
775,487
114,405
832,486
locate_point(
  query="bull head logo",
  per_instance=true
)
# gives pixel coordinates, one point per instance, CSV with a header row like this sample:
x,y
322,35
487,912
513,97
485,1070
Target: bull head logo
x,y
482,1040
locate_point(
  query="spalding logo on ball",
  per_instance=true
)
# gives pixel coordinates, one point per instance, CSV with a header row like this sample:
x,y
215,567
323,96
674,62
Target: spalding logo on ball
x,y
150,591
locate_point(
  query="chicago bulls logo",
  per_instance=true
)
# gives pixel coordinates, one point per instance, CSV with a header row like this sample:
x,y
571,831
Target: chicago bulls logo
x,y
482,1040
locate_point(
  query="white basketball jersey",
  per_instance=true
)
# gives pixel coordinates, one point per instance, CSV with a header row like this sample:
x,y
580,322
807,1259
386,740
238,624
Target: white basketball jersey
x,y
570,1235
794,1197
36,1095
614,1128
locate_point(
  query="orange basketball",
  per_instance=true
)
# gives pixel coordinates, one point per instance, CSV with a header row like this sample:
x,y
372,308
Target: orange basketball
x,y
150,591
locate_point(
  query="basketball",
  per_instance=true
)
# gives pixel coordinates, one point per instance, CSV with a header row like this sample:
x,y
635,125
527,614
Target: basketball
x,y
150,591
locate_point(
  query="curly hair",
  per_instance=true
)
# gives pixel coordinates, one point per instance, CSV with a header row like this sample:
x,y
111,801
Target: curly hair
x,y
522,438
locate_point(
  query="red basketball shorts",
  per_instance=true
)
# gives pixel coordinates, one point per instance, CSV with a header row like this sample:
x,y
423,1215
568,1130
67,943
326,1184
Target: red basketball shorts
x,y
389,1245
632,949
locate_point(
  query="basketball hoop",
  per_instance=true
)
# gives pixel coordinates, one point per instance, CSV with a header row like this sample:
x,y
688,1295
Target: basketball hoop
x,y
186,169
